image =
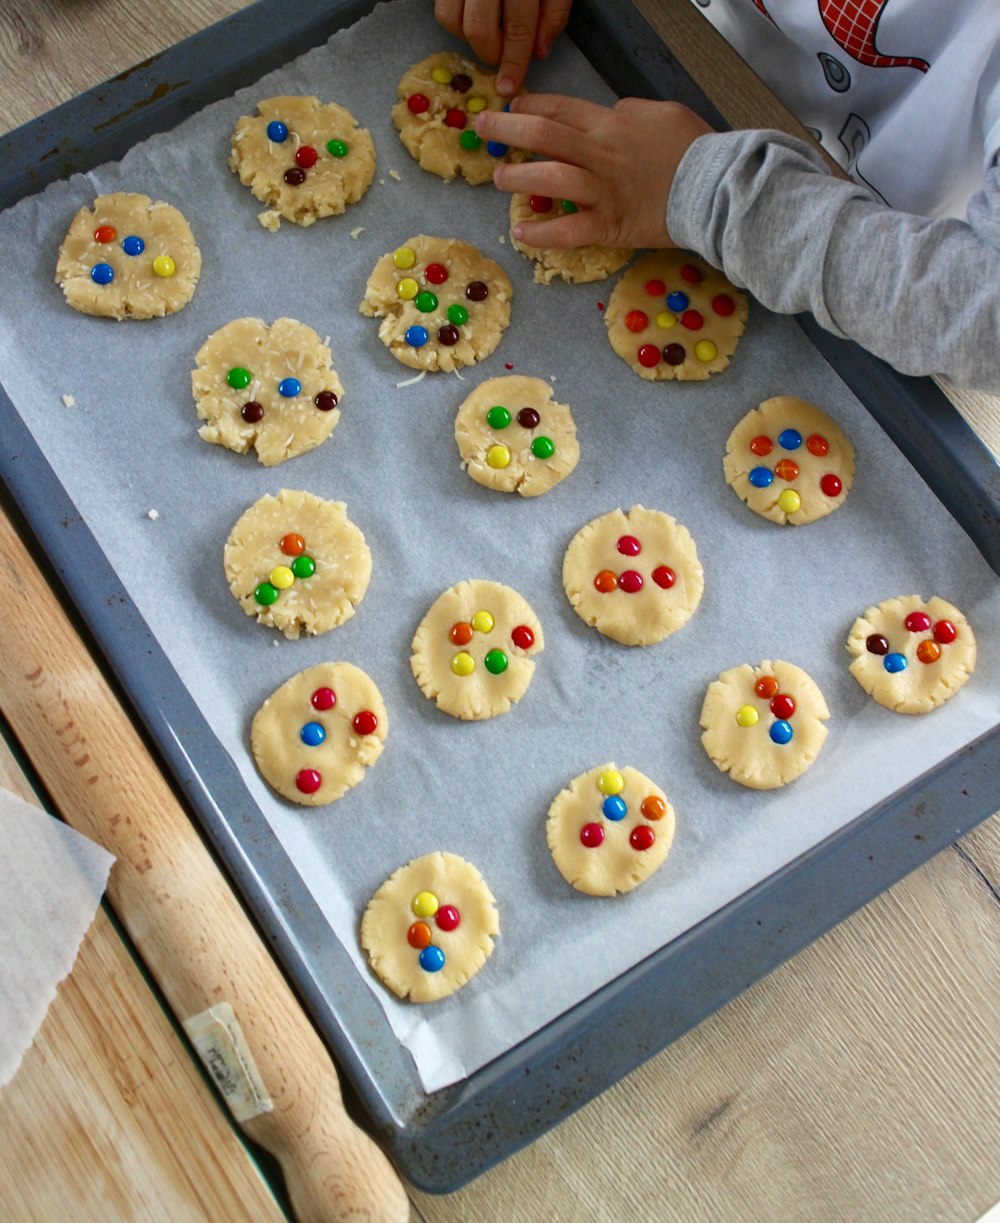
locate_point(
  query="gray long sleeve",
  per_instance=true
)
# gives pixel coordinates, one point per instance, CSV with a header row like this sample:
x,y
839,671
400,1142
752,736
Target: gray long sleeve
x,y
922,294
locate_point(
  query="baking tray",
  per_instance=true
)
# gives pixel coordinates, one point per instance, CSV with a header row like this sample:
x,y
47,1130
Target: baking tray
x,y
442,1139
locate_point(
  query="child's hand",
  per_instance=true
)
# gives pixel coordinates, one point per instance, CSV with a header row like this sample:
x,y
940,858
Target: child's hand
x,y
617,164
507,32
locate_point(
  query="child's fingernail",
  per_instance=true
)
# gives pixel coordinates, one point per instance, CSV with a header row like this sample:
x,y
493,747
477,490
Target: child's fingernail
x,y
545,50
505,86
518,232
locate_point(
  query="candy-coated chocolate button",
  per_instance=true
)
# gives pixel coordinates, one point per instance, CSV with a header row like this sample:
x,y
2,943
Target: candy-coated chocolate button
x,y
928,651
164,267
312,734
303,567
705,351
277,132
918,622
447,918
540,203
252,412
416,336
326,401
419,935
265,594
543,447
567,206
292,544
693,320
460,633
630,581
477,291
441,75
674,354
591,835
458,315
614,808
495,662
761,445
628,545
817,444
448,335
105,234
528,418
463,663
336,148
678,302
611,782
781,733
723,304
648,355
238,378
945,632
498,456
498,417
496,149
483,622
786,469
789,501
606,581
133,245
294,176
323,698
875,643
288,388
469,140
308,781
365,722
666,320
783,706
790,439
436,273
281,577
404,257
761,477
766,687
454,117
432,959
663,576
642,837
475,104
830,485
894,663
637,320
407,288
746,716
691,274
656,288
522,637
102,273
306,156
653,807
417,103
461,82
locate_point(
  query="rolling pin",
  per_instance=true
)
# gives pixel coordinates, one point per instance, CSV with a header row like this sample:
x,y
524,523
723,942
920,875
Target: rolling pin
x,y
220,980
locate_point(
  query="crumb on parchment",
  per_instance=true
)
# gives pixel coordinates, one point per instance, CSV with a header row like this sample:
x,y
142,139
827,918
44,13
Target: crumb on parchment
x,y
152,515
68,401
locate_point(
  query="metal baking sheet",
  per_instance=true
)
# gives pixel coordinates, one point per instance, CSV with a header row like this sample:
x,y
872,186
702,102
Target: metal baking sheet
x,y
443,1137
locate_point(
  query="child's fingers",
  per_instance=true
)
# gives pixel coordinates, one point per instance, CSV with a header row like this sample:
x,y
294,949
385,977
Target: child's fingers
x,y
549,178
572,112
575,229
529,132
448,13
481,28
520,23
552,21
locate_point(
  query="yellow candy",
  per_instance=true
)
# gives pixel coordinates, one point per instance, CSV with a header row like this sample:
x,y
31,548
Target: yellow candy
x,y
789,501
463,663
498,456
404,257
282,577
705,350
746,715
407,288
611,782
164,266
425,904
482,622
475,104
442,76
666,320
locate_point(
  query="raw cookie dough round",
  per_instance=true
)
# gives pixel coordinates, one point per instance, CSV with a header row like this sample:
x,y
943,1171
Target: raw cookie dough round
x,y
313,737
439,99
911,655
442,302
128,257
633,576
672,315
763,725
297,562
609,830
430,927
789,461
514,437
302,157
578,265
272,388
474,650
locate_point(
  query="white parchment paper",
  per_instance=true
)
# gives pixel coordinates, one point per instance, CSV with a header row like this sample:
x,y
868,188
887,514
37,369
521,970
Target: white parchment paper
x,y
480,790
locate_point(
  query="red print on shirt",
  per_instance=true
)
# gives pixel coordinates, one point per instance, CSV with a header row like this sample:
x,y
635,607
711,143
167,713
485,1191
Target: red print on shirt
x,y
852,25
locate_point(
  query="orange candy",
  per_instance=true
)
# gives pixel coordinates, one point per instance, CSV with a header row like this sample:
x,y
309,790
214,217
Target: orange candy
x,y
818,445
766,687
637,320
105,234
460,633
653,807
292,544
606,581
419,935
928,651
761,445
786,469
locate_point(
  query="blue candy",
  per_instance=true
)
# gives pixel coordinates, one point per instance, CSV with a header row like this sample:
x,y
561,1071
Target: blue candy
x,y
312,734
677,301
133,245
614,808
102,273
781,732
277,132
432,959
496,149
790,439
289,387
761,477
894,663
416,336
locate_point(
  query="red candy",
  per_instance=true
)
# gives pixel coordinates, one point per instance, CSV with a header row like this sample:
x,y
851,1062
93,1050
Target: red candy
x,y
655,288
523,637
105,234
783,706
787,469
365,722
306,156
693,320
447,917
649,355
417,103
606,581
830,485
591,835
761,445
691,274
918,622
323,698
637,320
945,632
630,581
628,545
454,117
436,273
663,576
642,837
540,203
308,781
817,444
723,304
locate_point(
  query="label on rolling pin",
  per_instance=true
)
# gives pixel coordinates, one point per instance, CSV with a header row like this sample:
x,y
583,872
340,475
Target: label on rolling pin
x,y
217,1036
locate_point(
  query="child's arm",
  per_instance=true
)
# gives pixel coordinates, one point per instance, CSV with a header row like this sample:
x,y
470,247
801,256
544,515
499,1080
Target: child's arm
x,y
922,294
507,32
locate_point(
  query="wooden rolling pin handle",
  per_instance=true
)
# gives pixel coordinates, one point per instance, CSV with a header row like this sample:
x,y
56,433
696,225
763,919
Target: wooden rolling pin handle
x,y
175,903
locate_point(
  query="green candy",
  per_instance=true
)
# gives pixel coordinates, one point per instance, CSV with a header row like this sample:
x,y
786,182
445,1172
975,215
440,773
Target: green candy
x,y
303,566
498,417
426,301
266,594
238,377
337,148
458,315
568,206
495,662
543,448
469,140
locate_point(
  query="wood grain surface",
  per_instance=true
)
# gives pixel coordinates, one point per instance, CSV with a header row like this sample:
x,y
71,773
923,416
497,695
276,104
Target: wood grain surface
x,y
859,1081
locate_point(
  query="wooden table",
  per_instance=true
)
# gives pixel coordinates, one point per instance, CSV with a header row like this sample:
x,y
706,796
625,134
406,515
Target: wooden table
x,y
859,1081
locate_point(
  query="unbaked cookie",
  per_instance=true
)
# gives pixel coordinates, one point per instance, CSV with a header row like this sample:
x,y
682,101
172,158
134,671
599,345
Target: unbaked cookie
x,y
633,576
442,302
313,737
763,725
609,830
439,99
474,650
789,461
297,562
128,257
272,388
430,927
578,265
302,157
911,655
672,315
514,437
